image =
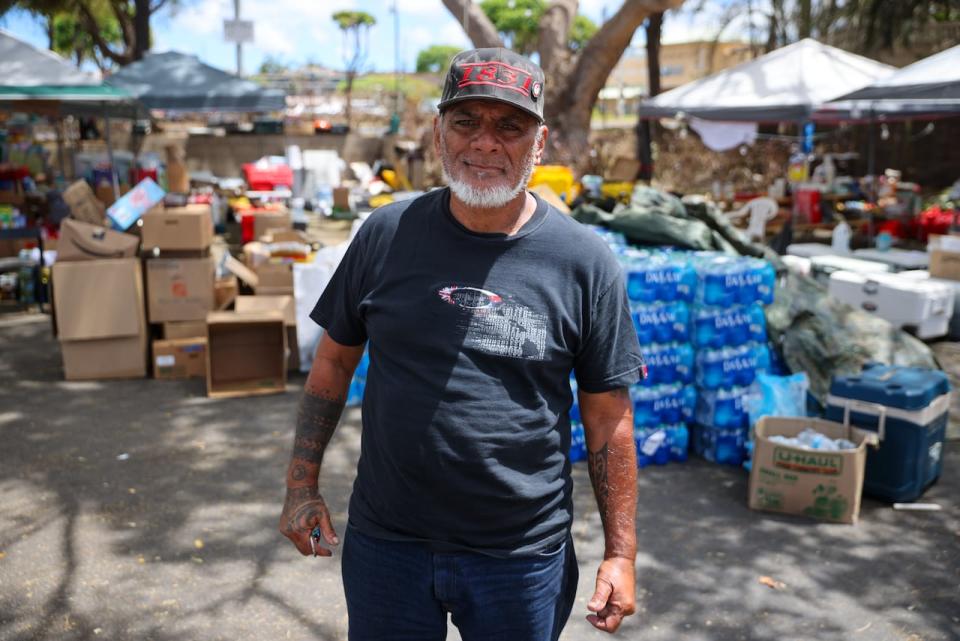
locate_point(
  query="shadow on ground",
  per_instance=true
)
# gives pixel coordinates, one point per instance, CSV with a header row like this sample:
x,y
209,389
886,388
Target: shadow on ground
x,y
143,510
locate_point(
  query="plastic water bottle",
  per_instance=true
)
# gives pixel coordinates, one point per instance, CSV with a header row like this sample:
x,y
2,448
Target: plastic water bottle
x,y
731,366
652,446
720,445
662,323
668,363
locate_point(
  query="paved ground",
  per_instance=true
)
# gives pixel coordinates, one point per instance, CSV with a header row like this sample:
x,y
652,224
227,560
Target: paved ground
x,y
142,510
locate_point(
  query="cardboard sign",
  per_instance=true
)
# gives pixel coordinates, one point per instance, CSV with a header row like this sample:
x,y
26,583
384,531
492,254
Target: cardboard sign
x,y
135,203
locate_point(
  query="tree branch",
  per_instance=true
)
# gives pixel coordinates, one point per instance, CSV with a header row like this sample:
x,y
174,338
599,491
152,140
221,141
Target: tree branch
x,y
555,27
601,53
157,6
477,25
86,16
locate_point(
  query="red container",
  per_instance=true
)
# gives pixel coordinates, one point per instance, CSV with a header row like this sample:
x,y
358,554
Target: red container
x,y
267,177
806,205
139,173
246,227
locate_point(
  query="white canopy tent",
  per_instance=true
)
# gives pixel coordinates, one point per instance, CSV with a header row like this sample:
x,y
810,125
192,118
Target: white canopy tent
x,y
928,87
788,84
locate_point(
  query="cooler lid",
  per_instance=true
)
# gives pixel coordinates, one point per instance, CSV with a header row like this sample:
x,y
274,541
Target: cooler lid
x,y
907,388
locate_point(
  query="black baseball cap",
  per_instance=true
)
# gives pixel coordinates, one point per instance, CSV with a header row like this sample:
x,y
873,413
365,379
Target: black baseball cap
x,y
494,74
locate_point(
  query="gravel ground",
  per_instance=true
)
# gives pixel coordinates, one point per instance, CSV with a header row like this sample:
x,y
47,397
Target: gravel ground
x,y
141,509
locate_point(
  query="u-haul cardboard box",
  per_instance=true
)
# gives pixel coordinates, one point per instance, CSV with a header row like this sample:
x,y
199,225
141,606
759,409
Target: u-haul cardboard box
x,y
819,484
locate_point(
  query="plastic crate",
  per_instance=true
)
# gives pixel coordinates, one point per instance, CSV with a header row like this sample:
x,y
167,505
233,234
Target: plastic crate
x,y
908,408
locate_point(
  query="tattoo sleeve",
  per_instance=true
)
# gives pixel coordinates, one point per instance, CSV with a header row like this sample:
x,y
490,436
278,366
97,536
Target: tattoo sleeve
x,y
317,418
597,462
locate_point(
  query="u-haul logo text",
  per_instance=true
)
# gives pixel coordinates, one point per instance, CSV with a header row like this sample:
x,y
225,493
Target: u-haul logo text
x,y
809,462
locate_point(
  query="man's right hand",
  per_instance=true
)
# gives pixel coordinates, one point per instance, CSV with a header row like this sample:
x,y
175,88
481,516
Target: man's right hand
x,y
304,509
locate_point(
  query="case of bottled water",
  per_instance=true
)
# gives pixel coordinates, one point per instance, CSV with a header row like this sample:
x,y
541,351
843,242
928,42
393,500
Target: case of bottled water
x,y
718,327
733,280
653,406
662,322
731,366
668,363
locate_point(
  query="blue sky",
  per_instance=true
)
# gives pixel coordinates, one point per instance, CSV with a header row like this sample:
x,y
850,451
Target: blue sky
x,y
298,31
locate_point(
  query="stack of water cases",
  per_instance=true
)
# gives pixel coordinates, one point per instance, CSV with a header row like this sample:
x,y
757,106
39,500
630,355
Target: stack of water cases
x,y
661,286
730,338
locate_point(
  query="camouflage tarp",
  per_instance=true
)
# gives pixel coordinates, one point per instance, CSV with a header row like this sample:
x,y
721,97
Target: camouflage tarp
x,y
813,332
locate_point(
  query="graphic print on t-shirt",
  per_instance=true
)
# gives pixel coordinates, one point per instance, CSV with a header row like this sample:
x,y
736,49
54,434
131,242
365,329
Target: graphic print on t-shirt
x,y
496,324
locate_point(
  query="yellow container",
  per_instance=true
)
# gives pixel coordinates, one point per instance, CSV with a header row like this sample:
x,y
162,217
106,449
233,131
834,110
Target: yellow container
x,y
558,177
621,191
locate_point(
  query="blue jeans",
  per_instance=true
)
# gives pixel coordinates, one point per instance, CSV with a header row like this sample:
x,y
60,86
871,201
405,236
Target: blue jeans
x,y
403,591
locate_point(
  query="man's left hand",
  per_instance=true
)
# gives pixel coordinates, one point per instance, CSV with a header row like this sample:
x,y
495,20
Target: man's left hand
x,y
613,599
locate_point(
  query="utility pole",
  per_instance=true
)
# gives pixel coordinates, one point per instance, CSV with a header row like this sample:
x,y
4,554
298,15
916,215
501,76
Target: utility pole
x,y
236,16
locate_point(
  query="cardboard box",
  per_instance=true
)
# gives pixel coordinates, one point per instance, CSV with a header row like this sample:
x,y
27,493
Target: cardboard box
x,y
225,291
944,256
179,288
264,221
180,358
83,241
99,308
185,329
135,203
187,228
274,279
245,354
285,305
84,205
815,483
178,179
341,198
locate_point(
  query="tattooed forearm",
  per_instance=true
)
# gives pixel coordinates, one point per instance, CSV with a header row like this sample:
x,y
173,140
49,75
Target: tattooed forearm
x,y
317,418
598,476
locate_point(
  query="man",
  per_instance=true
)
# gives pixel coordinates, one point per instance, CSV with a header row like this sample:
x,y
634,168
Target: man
x,y
475,302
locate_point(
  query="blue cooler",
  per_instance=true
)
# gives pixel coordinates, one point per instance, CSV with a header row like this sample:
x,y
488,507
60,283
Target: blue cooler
x,y
908,409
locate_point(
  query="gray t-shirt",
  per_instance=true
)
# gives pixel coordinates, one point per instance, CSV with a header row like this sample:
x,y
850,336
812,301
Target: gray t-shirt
x,y
472,338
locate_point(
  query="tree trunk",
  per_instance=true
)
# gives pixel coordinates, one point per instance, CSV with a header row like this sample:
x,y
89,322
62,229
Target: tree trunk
x,y
555,34
51,39
645,125
141,29
475,23
348,109
806,19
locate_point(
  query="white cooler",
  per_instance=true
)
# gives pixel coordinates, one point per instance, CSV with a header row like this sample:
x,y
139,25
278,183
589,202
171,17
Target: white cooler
x,y
809,250
953,331
924,306
898,259
822,266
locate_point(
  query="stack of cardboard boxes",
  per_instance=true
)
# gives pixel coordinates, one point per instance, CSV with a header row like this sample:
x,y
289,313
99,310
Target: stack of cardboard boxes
x,y
180,275
98,299
115,291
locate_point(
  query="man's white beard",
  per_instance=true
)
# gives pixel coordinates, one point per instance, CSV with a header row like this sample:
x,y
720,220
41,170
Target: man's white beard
x,y
493,196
